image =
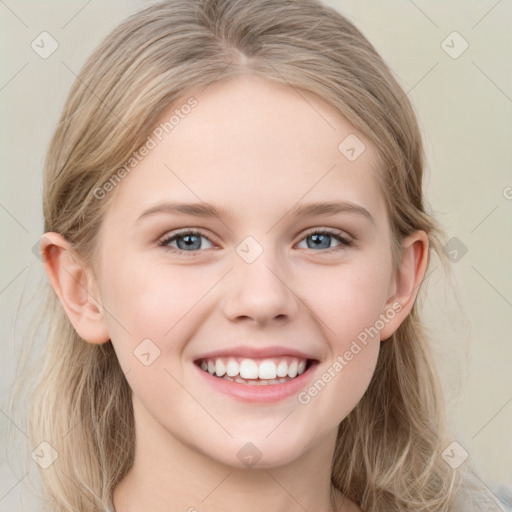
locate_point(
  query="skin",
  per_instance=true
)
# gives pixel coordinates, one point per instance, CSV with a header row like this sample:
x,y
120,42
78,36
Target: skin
x,y
257,149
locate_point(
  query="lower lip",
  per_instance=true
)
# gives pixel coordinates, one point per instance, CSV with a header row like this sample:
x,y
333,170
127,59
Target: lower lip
x,y
261,392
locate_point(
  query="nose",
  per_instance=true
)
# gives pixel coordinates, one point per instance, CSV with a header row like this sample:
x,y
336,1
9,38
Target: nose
x,y
259,292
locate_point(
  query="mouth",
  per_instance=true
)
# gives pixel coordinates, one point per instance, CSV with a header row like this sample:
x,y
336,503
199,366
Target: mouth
x,y
256,371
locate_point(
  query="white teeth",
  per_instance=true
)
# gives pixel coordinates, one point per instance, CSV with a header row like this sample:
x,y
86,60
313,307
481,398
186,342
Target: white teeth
x,y
266,370
248,369
220,368
233,368
292,369
282,369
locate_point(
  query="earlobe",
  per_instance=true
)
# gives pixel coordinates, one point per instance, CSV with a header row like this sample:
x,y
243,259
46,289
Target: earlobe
x,y
407,281
75,287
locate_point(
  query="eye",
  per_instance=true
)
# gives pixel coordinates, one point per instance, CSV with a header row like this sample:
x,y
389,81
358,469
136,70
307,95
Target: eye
x,y
187,241
320,238
190,240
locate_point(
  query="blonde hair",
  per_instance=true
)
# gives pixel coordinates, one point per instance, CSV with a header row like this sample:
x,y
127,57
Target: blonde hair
x,y
388,449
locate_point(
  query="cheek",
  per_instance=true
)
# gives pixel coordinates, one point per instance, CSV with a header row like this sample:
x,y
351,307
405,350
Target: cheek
x,y
358,295
151,300
350,300
349,307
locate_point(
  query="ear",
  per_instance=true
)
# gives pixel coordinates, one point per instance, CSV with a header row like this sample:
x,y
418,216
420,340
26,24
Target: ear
x,y
75,286
405,285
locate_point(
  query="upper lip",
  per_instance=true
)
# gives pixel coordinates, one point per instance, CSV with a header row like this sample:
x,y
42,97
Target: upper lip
x,y
256,352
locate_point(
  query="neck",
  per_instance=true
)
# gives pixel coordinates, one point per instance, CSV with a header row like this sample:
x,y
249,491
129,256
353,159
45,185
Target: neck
x,y
170,476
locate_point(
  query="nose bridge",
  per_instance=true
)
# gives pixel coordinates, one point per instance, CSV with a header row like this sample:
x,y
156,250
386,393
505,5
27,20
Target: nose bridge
x,y
258,284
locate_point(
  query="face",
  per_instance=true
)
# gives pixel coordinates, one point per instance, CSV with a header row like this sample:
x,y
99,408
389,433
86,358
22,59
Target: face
x,y
252,283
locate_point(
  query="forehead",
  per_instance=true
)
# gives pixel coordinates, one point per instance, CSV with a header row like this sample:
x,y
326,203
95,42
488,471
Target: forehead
x,y
249,145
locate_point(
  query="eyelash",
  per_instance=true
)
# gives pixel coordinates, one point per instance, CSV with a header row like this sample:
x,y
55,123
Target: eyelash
x,y
163,242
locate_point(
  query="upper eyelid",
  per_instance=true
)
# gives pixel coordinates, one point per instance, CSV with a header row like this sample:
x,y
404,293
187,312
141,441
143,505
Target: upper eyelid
x,y
331,231
182,232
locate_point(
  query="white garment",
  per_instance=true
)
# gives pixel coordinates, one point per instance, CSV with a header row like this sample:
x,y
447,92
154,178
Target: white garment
x,y
484,499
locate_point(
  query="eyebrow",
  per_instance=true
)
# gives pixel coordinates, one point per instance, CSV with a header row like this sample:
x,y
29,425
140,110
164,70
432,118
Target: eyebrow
x,y
208,210
331,208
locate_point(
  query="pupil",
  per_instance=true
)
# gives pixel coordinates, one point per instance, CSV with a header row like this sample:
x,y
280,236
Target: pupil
x,y
189,240
316,240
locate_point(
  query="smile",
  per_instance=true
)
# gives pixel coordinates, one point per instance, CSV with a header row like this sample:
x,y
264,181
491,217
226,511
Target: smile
x,y
260,371
285,376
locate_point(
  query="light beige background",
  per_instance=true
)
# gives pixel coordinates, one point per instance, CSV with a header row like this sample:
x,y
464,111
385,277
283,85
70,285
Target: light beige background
x,y
465,109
